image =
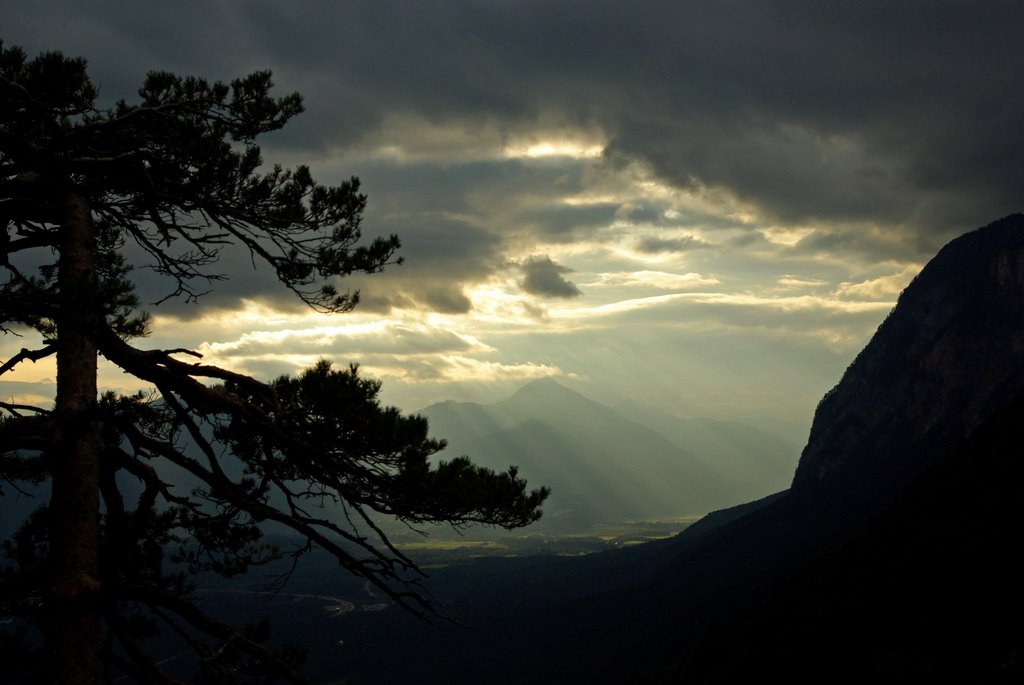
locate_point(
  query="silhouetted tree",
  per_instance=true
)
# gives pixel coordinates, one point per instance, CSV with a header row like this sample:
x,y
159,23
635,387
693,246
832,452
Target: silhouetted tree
x,y
179,175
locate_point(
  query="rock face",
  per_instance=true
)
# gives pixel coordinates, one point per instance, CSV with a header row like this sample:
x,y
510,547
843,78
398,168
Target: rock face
x,y
949,355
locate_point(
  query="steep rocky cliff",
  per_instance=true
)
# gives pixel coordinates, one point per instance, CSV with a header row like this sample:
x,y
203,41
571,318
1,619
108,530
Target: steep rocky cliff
x,y
949,355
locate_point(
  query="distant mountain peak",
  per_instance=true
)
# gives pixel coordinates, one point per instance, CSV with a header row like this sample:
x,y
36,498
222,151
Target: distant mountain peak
x,y
546,397
542,383
546,385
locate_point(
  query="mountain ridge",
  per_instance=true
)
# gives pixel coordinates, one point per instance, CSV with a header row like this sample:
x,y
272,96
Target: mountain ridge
x,y
655,475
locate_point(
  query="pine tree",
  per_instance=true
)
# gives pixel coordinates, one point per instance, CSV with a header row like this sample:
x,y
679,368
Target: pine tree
x,y
179,174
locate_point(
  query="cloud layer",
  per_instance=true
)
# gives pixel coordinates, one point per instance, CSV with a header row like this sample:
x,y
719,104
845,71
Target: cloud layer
x,y
652,172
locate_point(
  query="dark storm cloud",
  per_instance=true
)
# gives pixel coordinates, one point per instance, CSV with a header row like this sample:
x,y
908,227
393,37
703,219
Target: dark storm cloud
x,y
901,115
483,189
441,254
850,243
235,275
543,277
642,214
564,223
851,111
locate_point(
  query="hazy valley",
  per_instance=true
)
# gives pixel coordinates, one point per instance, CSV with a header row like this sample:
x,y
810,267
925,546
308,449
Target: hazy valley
x,y
607,466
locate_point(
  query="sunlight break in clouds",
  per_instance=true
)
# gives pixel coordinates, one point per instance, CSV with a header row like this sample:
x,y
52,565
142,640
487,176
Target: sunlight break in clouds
x,y
408,138
388,336
552,139
655,279
456,368
389,343
883,287
556,148
792,282
789,304
453,369
787,236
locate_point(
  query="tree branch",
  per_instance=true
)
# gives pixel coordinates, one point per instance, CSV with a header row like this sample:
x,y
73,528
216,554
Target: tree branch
x,y
33,355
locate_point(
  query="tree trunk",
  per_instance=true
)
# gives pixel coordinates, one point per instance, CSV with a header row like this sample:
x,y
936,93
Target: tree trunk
x,y
73,607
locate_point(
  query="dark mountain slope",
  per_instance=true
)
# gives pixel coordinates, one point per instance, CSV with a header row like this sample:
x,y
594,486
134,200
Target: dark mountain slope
x,y
932,589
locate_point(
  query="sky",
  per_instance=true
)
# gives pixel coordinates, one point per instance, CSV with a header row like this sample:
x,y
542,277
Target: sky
x,y
703,207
